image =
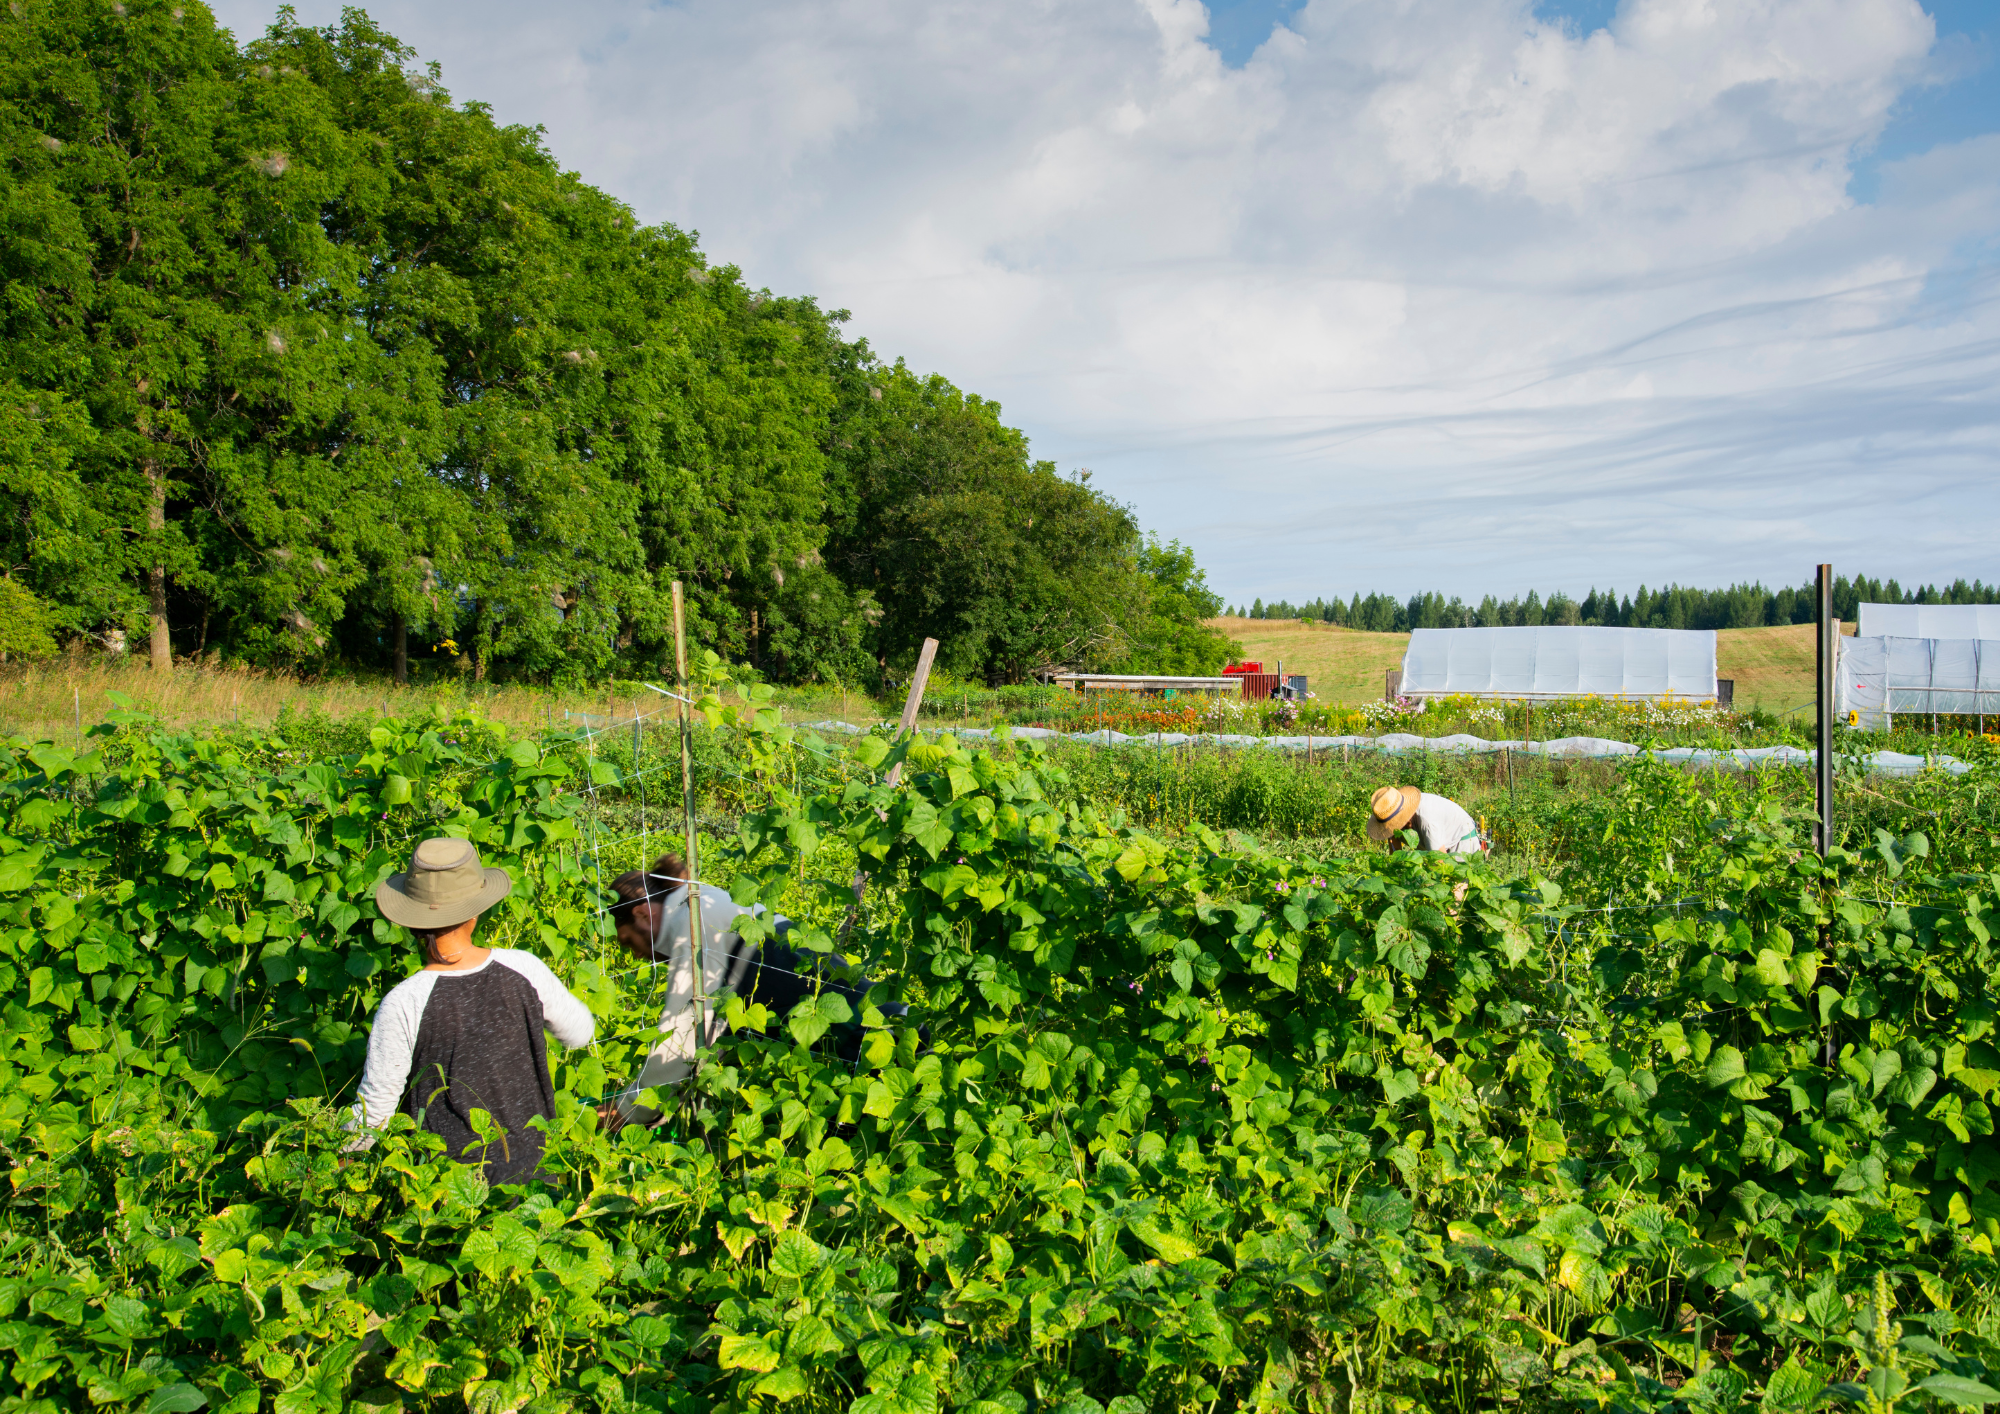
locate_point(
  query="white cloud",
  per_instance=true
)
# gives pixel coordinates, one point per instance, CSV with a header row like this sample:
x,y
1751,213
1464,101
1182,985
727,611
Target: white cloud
x,y
1428,294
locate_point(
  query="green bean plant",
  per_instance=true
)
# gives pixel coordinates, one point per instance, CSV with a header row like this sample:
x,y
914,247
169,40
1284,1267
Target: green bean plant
x,y
1171,1123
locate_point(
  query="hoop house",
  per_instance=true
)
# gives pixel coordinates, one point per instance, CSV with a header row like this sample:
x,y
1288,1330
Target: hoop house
x,y
1882,675
1561,662
1955,621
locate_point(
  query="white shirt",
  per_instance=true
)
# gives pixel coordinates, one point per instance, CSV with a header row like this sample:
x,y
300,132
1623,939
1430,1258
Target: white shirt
x,y
1442,824
726,964
394,1038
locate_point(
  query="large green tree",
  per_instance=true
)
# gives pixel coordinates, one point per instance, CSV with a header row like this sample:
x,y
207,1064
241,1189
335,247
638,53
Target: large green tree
x,y
1170,635
941,512
302,362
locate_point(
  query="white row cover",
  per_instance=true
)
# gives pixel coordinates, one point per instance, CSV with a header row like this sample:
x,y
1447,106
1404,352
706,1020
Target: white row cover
x,y
1881,676
1887,763
1930,621
1561,662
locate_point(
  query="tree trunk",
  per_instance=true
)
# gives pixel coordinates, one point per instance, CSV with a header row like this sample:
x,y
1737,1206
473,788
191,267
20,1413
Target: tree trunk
x,y
402,640
156,573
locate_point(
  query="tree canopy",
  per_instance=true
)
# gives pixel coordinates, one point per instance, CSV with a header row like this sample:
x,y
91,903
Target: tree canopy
x,y
301,362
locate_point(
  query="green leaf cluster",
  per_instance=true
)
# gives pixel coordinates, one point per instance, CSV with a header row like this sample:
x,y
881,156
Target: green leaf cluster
x,y
1169,1124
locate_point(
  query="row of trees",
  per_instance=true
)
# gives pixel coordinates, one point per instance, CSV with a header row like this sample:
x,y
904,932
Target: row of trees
x,y
1676,606
302,363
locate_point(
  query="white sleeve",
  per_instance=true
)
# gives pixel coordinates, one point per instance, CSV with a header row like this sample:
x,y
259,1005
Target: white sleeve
x,y
392,1041
566,1018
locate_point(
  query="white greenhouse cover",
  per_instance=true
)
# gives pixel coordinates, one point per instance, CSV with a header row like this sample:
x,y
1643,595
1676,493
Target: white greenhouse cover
x,y
1561,662
1930,621
1882,675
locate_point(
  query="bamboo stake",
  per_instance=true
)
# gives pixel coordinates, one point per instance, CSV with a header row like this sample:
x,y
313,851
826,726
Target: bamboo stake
x,y
639,778
687,811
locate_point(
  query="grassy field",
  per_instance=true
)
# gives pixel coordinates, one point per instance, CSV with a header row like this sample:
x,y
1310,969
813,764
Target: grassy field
x,y
1345,665
1773,667
48,699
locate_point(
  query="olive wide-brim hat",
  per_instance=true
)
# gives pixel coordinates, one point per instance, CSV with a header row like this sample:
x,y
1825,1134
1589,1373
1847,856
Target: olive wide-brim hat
x,y
443,887
1391,809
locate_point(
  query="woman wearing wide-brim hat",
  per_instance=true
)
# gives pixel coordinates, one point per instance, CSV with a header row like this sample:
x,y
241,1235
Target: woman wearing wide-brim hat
x,y
465,1032
1441,823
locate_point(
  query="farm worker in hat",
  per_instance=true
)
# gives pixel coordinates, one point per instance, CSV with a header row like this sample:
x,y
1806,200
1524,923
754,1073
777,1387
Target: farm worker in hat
x,y
1441,824
651,916
466,1031
652,920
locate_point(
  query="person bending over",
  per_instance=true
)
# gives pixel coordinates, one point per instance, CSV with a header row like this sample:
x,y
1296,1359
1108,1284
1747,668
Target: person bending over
x,y
651,916
1441,824
466,1031
652,921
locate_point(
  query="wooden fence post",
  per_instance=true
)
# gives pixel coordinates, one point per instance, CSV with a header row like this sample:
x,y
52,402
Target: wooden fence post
x,y
913,701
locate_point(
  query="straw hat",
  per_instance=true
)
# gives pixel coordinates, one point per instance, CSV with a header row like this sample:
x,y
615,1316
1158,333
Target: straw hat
x,y
1391,809
443,887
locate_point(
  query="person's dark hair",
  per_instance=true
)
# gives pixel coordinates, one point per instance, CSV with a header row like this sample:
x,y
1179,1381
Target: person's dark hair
x,y
635,886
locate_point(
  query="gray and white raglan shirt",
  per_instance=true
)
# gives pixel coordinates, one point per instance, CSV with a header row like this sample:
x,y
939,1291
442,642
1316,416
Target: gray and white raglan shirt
x,y
447,1043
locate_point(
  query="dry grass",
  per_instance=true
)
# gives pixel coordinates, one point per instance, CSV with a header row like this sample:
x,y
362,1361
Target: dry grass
x,y
1343,665
1773,667
48,699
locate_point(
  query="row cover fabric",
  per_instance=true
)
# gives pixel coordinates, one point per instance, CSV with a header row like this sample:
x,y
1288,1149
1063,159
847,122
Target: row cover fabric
x,y
1930,621
1561,661
1886,763
1881,676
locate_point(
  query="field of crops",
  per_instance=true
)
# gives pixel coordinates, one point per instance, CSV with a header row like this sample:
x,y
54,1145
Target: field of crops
x,y
1664,1113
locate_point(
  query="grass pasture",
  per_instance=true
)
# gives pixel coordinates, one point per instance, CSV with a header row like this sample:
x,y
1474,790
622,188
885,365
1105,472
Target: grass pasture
x,y
1344,664
49,699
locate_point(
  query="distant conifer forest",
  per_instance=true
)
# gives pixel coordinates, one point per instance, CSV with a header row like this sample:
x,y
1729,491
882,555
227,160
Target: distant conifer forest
x,y
1675,606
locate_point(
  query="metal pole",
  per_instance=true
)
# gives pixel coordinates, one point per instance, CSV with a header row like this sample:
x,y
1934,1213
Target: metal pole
x,y
687,810
1823,762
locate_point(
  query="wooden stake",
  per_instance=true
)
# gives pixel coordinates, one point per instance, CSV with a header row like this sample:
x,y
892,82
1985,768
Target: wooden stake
x,y
911,703
915,700
687,811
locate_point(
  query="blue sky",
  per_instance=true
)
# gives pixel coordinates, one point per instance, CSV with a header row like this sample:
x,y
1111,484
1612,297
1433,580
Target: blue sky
x,y
1961,100
1467,295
